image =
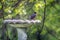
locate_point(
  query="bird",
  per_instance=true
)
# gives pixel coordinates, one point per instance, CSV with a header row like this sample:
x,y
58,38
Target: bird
x,y
33,16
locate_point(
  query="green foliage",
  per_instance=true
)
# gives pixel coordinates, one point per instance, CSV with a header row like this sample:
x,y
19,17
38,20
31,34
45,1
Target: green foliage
x,y
26,7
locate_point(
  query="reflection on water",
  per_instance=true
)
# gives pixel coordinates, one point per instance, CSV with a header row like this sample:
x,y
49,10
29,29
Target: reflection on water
x,y
21,34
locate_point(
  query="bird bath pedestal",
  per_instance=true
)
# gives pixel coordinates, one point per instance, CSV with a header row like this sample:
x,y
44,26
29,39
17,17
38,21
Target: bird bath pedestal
x,y
21,26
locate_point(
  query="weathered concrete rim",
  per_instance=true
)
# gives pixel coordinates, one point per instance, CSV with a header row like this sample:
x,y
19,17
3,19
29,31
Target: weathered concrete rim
x,y
21,21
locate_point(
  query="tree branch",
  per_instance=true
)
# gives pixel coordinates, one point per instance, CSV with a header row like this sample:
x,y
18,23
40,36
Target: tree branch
x,y
2,10
16,4
43,19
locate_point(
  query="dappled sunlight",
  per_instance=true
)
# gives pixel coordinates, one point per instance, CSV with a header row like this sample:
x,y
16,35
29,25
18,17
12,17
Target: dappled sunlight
x,y
0,6
24,11
8,17
30,20
7,9
39,6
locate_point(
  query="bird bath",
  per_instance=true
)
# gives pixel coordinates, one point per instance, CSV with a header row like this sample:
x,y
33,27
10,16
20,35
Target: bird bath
x,y
21,26
21,34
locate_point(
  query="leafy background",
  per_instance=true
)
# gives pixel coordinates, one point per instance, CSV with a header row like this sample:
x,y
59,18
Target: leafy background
x,y
51,30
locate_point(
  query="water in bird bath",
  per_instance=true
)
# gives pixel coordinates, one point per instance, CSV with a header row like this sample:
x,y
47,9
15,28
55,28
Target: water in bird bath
x,y
21,34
